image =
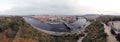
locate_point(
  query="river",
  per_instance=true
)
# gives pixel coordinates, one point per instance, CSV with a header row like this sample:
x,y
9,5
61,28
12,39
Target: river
x,y
45,26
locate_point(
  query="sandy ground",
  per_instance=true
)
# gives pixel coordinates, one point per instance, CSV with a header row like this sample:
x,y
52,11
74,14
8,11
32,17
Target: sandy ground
x,y
110,38
116,25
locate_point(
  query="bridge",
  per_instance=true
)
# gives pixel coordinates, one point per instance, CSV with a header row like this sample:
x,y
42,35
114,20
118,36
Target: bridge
x,y
66,24
70,28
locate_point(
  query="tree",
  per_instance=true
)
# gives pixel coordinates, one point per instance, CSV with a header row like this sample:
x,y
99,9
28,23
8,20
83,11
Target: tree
x,y
118,37
113,32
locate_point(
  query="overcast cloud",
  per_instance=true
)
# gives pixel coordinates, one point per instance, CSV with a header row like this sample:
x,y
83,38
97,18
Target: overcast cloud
x,y
53,7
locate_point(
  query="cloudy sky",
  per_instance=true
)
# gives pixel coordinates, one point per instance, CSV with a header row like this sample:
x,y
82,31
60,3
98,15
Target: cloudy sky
x,y
58,7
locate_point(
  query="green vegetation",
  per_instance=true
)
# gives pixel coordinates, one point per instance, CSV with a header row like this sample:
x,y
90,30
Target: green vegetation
x,y
95,33
8,28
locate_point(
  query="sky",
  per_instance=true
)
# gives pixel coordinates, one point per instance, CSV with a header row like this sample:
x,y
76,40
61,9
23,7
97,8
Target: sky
x,y
59,7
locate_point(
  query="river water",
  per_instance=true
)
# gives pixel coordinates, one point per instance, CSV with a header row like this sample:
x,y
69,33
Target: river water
x,y
45,26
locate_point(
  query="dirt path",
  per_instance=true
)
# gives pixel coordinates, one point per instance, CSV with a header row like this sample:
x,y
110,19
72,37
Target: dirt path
x,y
81,38
82,30
110,38
18,33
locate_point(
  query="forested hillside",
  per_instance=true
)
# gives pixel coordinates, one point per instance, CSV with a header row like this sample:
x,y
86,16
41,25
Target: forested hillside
x,y
95,33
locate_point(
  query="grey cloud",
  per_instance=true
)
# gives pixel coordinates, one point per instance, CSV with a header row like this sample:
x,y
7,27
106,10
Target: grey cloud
x,y
55,7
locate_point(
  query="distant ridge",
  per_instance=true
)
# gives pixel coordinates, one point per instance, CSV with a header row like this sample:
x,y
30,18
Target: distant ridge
x,y
91,15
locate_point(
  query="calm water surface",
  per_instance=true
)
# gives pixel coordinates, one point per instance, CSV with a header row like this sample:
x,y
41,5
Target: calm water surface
x,y
50,27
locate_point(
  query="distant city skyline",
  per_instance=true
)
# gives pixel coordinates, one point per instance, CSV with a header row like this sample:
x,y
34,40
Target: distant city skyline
x,y
59,7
